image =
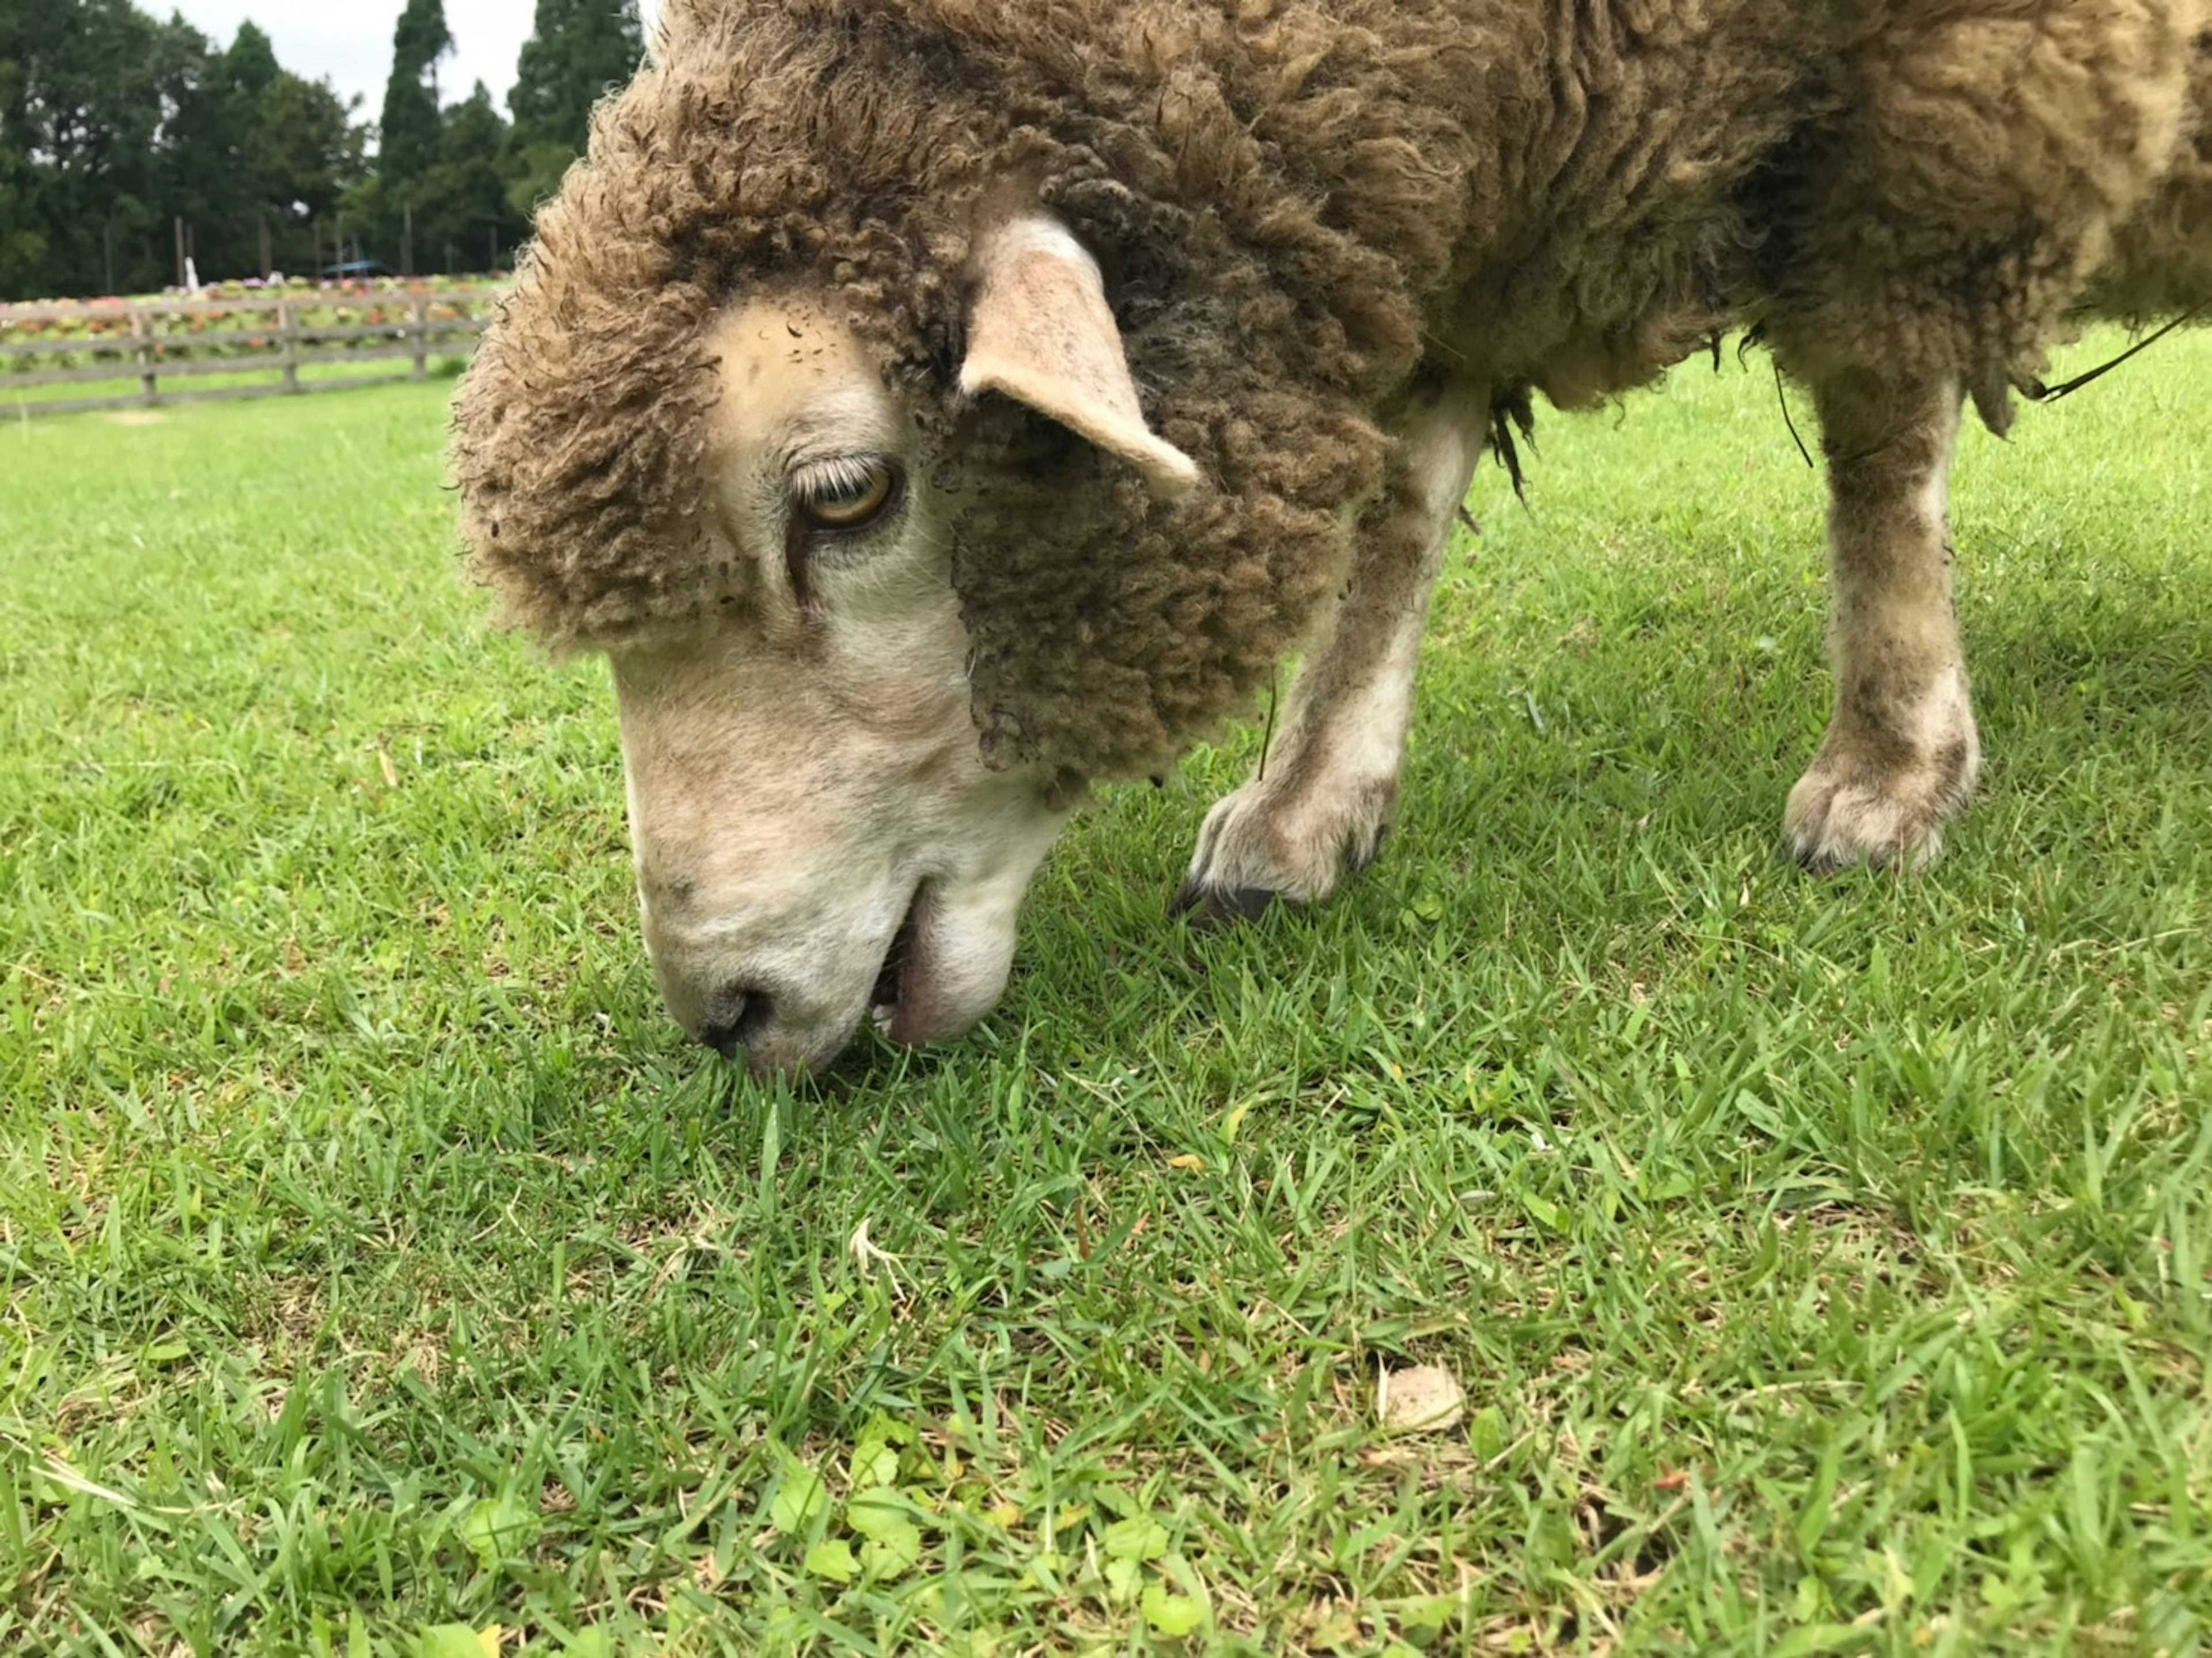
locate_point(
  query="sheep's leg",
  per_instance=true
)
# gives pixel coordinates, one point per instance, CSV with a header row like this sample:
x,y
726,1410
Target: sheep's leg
x,y
1901,753
1324,793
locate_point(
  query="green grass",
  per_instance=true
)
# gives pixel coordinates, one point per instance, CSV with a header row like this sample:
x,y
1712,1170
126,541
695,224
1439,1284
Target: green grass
x,y
1826,1263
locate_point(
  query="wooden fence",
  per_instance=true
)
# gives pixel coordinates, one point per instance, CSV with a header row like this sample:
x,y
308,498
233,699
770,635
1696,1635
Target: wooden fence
x,y
152,342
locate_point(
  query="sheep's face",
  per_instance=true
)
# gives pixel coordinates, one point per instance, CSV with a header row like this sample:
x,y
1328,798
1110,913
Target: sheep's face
x,y
817,836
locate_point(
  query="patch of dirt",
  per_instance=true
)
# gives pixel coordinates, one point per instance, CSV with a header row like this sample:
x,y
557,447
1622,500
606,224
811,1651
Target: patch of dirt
x,y
138,417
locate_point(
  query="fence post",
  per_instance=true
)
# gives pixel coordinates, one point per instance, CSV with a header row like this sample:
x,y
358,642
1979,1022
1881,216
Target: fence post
x,y
420,328
145,353
289,327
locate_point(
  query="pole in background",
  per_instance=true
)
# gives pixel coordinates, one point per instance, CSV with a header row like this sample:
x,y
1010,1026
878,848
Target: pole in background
x,y
143,335
407,239
177,224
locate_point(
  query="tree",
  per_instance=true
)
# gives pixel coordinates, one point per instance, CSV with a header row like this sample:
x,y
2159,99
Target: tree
x,y
306,153
22,244
80,115
461,201
407,135
22,239
307,148
202,172
115,127
251,63
578,50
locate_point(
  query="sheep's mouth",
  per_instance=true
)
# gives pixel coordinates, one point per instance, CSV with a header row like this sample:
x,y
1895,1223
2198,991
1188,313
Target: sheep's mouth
x,y
900,1001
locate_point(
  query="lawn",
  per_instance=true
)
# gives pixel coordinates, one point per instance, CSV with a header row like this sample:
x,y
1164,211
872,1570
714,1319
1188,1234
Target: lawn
x,y
1828,1264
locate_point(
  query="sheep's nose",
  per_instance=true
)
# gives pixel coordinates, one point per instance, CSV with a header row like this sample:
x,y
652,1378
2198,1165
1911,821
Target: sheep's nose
x,y
736,1019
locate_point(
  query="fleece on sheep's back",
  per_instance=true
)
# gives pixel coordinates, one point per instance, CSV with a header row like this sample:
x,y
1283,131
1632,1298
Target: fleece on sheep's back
x,y
1288,199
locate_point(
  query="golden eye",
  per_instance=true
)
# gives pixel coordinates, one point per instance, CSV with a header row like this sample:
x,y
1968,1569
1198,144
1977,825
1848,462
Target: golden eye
x,y
846,492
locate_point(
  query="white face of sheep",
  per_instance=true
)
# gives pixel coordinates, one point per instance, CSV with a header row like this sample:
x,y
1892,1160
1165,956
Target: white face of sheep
x,y
817,839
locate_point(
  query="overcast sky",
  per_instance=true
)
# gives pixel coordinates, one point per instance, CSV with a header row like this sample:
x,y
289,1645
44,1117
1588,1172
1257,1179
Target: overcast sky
x,y
351,40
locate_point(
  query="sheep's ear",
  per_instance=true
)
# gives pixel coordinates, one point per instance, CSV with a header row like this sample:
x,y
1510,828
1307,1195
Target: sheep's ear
x,y
1039,332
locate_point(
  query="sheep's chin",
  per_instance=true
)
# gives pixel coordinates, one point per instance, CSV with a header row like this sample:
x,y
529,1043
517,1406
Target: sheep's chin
x,y
947,966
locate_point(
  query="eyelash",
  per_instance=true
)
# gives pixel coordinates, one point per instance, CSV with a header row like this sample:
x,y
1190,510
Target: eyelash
x,y
849,476
826,477
815,482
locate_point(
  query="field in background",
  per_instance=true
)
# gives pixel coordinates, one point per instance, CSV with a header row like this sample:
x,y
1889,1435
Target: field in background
x,y
1826,1263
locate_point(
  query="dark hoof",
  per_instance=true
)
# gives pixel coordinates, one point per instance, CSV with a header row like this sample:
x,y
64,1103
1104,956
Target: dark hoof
x,y
1209,908
1809,858
1824,862
1358,858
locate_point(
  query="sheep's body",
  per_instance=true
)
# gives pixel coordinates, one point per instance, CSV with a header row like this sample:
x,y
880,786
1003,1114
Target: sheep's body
x,y
1323,222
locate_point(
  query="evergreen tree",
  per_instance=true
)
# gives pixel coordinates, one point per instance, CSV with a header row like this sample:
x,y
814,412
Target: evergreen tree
x,y
251,63
407,135
243,72
201,170
578,51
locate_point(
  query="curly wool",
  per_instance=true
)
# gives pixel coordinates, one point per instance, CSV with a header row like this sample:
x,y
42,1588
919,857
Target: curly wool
x,y
851,143
1303,207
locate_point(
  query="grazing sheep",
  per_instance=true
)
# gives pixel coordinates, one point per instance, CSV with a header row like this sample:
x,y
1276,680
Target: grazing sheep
x,y
933,406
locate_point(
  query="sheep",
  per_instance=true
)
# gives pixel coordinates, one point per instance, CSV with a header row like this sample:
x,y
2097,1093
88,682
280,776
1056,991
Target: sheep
x,y
935,407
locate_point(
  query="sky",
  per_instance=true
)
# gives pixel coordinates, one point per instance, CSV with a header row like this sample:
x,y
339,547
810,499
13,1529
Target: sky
x,y
351,40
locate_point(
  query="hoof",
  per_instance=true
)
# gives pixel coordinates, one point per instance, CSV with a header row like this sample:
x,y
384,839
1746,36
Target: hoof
x,y
1261,847
1878,798
1890,822
1826,858
1209,909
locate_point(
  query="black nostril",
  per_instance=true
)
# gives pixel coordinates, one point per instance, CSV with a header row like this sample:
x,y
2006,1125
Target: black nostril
x,y
736,1017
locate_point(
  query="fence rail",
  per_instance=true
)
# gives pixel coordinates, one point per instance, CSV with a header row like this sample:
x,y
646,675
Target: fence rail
x,y
150,341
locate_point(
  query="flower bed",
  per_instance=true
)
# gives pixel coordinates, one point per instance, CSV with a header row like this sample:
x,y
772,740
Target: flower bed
x,y
231,319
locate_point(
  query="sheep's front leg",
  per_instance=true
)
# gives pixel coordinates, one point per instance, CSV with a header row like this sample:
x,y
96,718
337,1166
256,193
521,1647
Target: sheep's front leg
x,y
1901,752
1323,797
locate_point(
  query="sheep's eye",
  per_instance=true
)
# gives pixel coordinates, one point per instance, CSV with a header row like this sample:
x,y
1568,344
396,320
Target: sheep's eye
x,y
845,493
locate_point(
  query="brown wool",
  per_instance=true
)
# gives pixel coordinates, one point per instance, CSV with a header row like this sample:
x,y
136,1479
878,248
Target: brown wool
x,y
1302,208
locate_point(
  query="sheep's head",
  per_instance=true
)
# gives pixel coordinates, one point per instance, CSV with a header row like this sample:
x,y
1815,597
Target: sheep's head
x,y
818,834
820,831
847,470
819,828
